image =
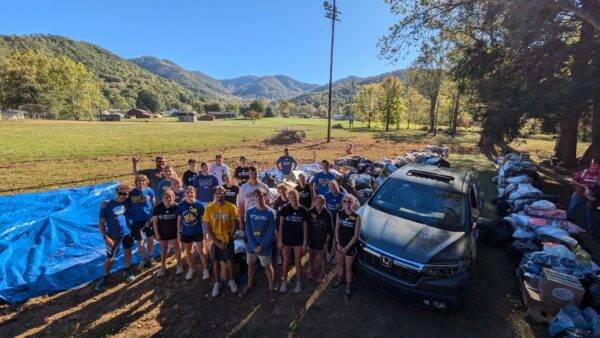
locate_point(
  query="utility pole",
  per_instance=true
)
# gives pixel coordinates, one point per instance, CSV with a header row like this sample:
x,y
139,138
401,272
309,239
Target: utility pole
x,y
331,12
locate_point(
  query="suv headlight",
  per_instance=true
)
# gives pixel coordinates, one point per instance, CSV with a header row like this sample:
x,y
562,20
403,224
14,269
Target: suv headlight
x,y
445,270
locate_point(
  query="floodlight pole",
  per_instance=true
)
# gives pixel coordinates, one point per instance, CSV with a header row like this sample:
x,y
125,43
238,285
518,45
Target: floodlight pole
x,y
331,12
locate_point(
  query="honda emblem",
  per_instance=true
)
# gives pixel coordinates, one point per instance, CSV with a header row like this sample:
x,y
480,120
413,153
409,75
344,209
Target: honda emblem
x,y
386,261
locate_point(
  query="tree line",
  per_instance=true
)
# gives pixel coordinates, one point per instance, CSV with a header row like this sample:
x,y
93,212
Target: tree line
x,y
510,61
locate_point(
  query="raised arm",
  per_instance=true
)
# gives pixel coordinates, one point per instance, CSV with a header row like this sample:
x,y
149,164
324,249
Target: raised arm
x,y
135,161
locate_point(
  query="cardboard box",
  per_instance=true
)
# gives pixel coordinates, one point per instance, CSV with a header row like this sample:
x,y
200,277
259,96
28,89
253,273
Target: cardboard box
x,y
537,310
558,289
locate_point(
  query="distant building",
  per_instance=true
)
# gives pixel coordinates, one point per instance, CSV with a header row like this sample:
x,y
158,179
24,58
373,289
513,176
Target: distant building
x,y
222,114
12,114
111,115
139,113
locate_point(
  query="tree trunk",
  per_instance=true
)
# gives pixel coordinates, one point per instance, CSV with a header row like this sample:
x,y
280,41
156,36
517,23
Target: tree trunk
x,y
454,123
432,105
567,141
593,151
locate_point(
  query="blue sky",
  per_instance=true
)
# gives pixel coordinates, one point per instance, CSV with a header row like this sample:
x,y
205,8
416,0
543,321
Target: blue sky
x,y
222,38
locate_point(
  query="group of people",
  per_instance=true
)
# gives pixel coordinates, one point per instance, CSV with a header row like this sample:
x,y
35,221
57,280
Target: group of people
x,y
209,207
585,200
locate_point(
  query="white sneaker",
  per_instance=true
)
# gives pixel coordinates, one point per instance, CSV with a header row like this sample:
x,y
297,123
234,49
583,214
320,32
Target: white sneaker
x,y
205,274
279,261
215,290
190,274
140,266
179,270
283,288
298,288
233,286
151,260
161,272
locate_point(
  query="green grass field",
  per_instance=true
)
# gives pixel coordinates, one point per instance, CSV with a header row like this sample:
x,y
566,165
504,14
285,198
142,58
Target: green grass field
x,y
39,154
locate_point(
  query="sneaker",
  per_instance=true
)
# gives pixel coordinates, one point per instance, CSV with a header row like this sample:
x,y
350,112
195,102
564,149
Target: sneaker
x,y
233,286
215,290
142,265
161,272
348,293
298,288
179,270
205,274
279,261
283,288
244,292
189,275
337,284
329,257
129,277
151,262
101,285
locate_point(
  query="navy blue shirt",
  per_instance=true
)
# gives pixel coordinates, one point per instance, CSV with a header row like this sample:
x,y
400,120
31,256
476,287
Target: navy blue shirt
x,y
161,187
321,181
140,204
333,204
204,185
114,214
191,217
260,229
286,163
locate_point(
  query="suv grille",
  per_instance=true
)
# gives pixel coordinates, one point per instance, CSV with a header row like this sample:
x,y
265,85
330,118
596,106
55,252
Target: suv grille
x,y
409,275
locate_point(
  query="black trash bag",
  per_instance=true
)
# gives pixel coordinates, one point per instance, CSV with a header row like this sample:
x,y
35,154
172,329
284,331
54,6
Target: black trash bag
x,y
499,234
502,208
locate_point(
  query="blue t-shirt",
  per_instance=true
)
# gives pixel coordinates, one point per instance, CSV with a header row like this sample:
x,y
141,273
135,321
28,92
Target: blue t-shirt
x,y
114,215
191,217
286,163
260,229
204,185
161,187
321,180
334,203
140,204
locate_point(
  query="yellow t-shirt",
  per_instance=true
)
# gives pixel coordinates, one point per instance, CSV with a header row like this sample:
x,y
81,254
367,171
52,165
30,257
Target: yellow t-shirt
x,y
222,219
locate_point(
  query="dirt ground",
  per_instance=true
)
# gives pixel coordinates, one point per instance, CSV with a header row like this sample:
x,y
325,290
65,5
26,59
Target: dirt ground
x,y
172,306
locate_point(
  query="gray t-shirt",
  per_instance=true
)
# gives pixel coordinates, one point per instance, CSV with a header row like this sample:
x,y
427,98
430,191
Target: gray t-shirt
x,y
247,194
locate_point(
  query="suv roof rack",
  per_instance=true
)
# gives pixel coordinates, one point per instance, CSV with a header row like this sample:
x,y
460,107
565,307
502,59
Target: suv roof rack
x,y
430,175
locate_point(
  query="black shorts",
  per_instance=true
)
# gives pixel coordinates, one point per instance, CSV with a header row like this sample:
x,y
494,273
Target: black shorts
x,y
317,245
219,255
167,233
125,241
192,238
139,227
351,252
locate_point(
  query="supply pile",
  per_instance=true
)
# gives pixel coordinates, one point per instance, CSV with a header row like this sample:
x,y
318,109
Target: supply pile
x,y
559,283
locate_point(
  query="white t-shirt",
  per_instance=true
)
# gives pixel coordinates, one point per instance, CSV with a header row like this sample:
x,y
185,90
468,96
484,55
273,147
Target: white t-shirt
x,y
218,170
247,194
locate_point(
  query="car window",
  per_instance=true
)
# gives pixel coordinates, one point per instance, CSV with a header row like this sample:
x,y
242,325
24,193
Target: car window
x,y
473,197
421,203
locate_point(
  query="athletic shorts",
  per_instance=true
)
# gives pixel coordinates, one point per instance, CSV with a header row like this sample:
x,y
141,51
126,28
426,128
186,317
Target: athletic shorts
x,y
219,255
139,227
192,238
125,241
317,246
264,260
351,252
167,233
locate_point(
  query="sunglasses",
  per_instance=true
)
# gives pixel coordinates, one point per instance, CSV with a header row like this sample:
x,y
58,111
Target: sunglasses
x,y
123,193
346,201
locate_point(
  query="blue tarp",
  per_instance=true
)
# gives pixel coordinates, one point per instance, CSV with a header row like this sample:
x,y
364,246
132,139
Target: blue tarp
x,y
49,241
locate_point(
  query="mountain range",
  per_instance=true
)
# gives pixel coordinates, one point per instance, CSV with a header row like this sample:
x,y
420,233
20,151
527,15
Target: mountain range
x,y
121,80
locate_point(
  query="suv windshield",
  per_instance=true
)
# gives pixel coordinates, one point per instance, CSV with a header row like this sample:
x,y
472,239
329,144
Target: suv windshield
x,y
421,203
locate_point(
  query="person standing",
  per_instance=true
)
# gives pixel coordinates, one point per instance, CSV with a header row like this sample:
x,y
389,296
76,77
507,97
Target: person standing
x,y
140,204
231,189
155,174
164,222
176,187
188,175
347,230
204,183
320,230
286,164
320,182
293,235
247,197
259,230
280,202
220,221
165,183
219,168
242,172
189,229
333,203
112,224
586,182
304,191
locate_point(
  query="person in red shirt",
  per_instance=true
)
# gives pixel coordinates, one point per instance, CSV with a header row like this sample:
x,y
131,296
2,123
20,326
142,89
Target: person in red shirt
x,y
587,183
